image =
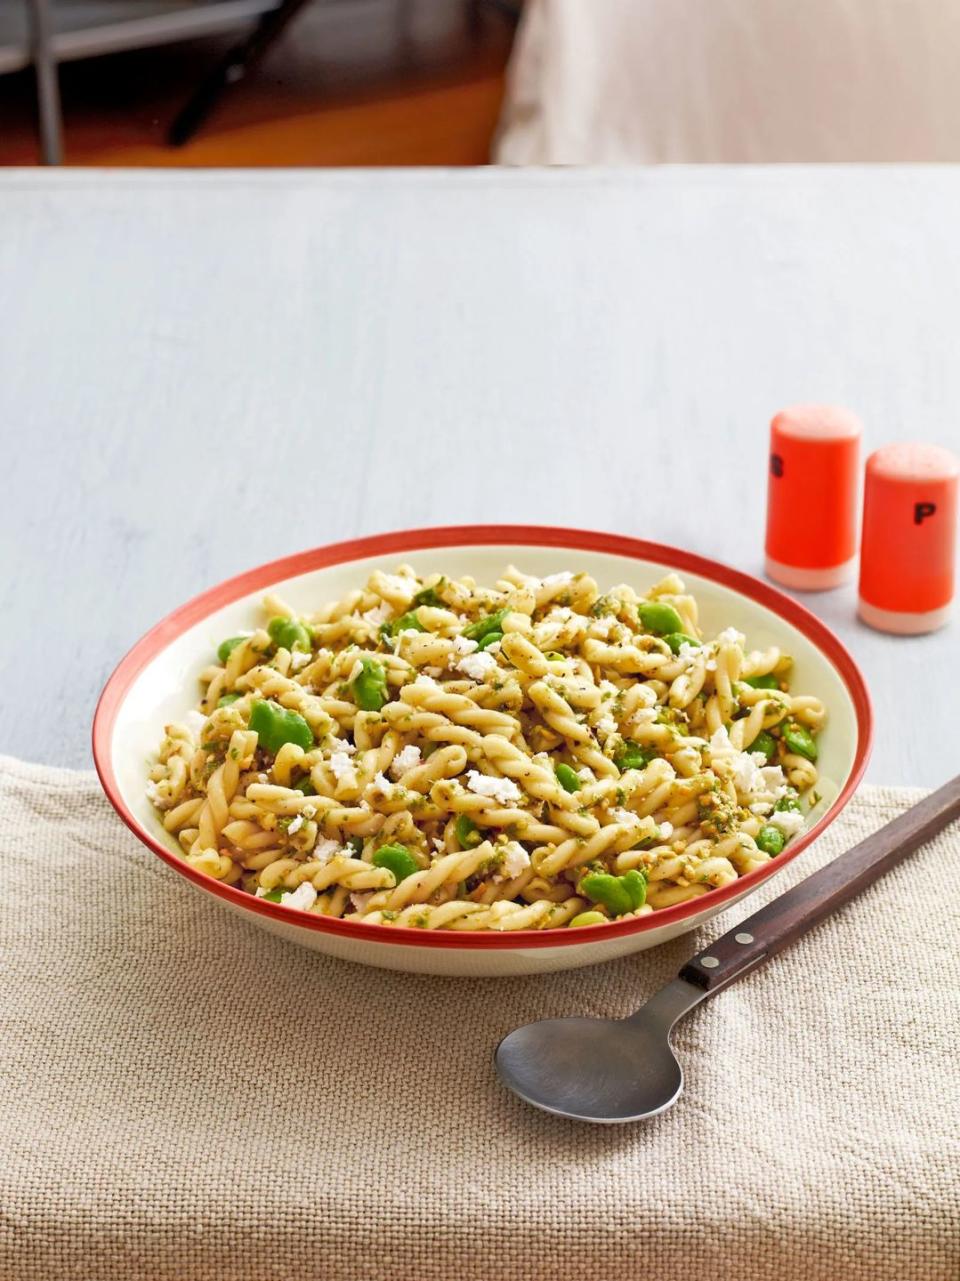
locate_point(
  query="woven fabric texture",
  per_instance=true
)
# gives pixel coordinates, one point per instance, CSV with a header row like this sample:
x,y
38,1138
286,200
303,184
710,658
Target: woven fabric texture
x,y
186,1097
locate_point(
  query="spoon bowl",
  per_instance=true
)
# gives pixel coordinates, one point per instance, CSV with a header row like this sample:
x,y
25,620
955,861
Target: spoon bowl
x,y
602,1070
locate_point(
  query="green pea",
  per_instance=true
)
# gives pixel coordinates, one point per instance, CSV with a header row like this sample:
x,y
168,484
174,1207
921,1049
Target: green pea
x,y
763,682
789,801
275,725
491,638
226,699
799,740
770,839
227,647
467,832
765,743
658,617
405,623
589,918
306,786
567,778
370,685
290,633
396,859
488,623
428,597
630,755
676,639
355,844
274,895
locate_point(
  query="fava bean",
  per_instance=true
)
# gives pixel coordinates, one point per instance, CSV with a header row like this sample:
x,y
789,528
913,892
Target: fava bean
x,y
396,859
226,648
491,638
589,918
618,894
370,685
275,725
799,740
306,786
676,639
226,699
769,681
488,623
658,617
427,597
770,839
467,832
765,743
290,633
567,778
408,622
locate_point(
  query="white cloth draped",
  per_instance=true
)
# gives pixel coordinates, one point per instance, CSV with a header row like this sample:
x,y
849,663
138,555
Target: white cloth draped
x,y
730,81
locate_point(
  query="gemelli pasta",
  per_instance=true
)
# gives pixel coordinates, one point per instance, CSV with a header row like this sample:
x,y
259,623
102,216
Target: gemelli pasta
x,y
537,754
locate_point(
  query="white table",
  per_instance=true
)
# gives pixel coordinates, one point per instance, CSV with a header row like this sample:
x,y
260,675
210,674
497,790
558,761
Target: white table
x,y
202,371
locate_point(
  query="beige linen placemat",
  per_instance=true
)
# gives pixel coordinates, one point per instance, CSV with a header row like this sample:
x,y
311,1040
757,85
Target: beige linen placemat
x,y
186,1097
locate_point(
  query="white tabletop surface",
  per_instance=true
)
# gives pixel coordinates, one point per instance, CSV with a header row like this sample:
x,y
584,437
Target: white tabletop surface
x,y
203,371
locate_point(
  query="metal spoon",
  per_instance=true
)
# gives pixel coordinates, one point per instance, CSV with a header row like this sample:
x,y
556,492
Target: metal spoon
x,y
614,1070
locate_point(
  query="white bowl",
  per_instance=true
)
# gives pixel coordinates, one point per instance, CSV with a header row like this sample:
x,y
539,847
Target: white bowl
x,y
157,683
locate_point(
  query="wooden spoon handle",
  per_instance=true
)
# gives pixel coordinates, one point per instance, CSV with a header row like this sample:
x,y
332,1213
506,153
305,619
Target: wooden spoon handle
x,y
807,904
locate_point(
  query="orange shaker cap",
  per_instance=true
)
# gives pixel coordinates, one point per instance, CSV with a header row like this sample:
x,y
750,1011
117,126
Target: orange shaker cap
x,y
909,537
812,493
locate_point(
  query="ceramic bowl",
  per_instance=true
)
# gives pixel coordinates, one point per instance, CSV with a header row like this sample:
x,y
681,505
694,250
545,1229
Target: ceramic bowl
x,y
157,683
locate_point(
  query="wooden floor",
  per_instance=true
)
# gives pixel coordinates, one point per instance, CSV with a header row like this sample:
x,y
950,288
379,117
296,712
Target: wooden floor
x,y
351,82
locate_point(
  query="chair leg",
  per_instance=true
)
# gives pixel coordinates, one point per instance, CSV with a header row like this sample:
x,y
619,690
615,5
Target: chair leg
x,y
234,66
48,84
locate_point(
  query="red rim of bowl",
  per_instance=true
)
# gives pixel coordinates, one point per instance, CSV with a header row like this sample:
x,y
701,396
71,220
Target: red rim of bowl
x,y
200,607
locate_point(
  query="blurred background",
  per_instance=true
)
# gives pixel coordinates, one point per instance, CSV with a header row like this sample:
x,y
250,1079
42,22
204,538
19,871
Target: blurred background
x,y
464,82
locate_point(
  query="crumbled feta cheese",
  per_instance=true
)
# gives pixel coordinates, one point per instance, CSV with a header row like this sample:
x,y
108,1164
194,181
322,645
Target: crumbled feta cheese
x,y
262,778
774,780
720,741
730,636
405,588
747,778
153,793
342,745
299,660
515,860
325,850
379,614
586,775
295,825
606,726
789,821
477,666
194,721
438,843
463,645
260,892
626,817
303,897
309,811
341,767
405,760
382,784
666,830
558,580
711,664
503,790
426,682
689,655
603,627
360,899
435,671
643,716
